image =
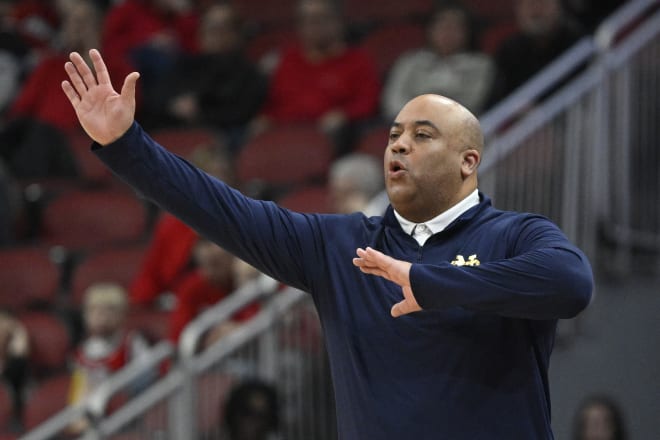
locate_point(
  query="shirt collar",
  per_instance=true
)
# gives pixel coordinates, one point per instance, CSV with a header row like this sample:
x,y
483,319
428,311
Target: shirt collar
x,y
443,220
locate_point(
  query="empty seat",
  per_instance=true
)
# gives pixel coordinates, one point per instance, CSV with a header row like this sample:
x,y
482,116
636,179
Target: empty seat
x,y
308,199
27,276
82,220
47,399
50,342
183,141
492,11
5,407
266,14
118,265
286,155
388,43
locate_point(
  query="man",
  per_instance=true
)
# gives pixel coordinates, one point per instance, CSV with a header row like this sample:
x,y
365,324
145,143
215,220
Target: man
x,y
486,286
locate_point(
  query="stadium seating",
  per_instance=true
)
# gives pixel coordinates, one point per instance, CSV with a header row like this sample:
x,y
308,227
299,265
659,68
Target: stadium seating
x,y
50,342
183,141
27,277
48,398
82,220
285,155
308,199
116,264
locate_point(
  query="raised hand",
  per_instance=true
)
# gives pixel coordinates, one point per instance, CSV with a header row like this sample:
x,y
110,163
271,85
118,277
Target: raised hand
x,y
103,113
374,262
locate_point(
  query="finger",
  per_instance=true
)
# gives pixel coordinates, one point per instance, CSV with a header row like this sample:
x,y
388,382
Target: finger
x,y
399,309
83,69
70,93
102,75
75,78
128,89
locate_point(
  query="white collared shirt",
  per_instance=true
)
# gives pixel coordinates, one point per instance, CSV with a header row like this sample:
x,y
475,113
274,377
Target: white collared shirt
x,y
423,231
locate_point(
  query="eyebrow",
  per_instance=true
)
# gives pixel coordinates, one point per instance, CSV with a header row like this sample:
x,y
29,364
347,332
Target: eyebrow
x,y
423,122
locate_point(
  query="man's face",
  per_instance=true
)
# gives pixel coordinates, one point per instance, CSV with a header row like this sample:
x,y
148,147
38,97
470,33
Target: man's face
x,y
422,163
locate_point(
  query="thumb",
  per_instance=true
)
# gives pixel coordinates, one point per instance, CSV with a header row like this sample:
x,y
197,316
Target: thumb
x,y
128,89
400,308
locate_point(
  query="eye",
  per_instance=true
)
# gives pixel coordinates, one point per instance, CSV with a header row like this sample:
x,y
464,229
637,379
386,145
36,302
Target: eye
x,y
422,135
394,136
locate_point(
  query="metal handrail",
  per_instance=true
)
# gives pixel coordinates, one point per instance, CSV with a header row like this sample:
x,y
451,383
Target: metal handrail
x,y
610,28
97,403
223,311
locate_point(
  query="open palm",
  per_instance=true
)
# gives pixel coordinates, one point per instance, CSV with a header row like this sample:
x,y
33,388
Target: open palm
x,y
103,113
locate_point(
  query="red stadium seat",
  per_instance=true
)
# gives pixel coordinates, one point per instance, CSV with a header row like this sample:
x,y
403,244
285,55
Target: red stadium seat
x,y
361,11
213,389
82,220
50,342
91,169
308,199
285,155
27,276
5,406
373,142
50,397
183,141
388,43
118,265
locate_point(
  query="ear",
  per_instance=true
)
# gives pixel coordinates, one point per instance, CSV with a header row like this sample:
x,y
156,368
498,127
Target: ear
x,y
471,158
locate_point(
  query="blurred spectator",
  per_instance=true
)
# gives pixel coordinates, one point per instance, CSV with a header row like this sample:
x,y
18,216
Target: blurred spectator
x,y
252,412
34,143
599,418
149,34
14,54
37,21
217,87
448,66
545,33
14,351
10,207
320,78
108,345
356,180
590,13
168,259
212,281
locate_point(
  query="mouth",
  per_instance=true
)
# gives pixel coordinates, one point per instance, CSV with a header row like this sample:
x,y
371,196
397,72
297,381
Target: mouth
x,y
396,168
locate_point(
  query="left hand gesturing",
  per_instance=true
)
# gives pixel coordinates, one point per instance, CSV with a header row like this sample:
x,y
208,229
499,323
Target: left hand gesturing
x,y
373,262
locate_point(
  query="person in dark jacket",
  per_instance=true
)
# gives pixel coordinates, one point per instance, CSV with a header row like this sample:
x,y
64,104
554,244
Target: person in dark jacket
x,y
451,336
218,88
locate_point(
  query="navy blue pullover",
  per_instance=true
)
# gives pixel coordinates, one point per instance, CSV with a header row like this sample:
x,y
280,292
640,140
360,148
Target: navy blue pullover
x,y
472,365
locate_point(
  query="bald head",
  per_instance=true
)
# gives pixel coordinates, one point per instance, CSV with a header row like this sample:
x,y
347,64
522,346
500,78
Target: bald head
x,y
458,124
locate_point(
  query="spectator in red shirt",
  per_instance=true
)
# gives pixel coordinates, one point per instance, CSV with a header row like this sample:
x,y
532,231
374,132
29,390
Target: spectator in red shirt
x,y
34,142
320,78
212,281
168,259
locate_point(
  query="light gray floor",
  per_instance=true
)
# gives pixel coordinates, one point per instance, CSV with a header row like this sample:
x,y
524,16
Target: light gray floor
x,y
616,352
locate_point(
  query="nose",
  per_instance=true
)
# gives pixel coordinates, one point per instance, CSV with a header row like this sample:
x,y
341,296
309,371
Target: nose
x,y
400,146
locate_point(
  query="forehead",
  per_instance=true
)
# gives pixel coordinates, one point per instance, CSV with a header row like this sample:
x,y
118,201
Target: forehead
x,y
436,110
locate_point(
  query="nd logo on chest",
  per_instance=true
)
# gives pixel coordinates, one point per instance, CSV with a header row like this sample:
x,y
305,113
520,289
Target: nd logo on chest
x,y
461,261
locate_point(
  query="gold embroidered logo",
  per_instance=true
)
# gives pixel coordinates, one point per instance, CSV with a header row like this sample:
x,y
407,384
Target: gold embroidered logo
x,y
471,261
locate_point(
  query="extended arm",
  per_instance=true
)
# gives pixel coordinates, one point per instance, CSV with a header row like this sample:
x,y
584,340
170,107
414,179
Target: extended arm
x,y
276,241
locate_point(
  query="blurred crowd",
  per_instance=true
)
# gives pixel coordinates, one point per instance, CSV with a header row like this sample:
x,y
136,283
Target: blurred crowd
x,y
288,101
